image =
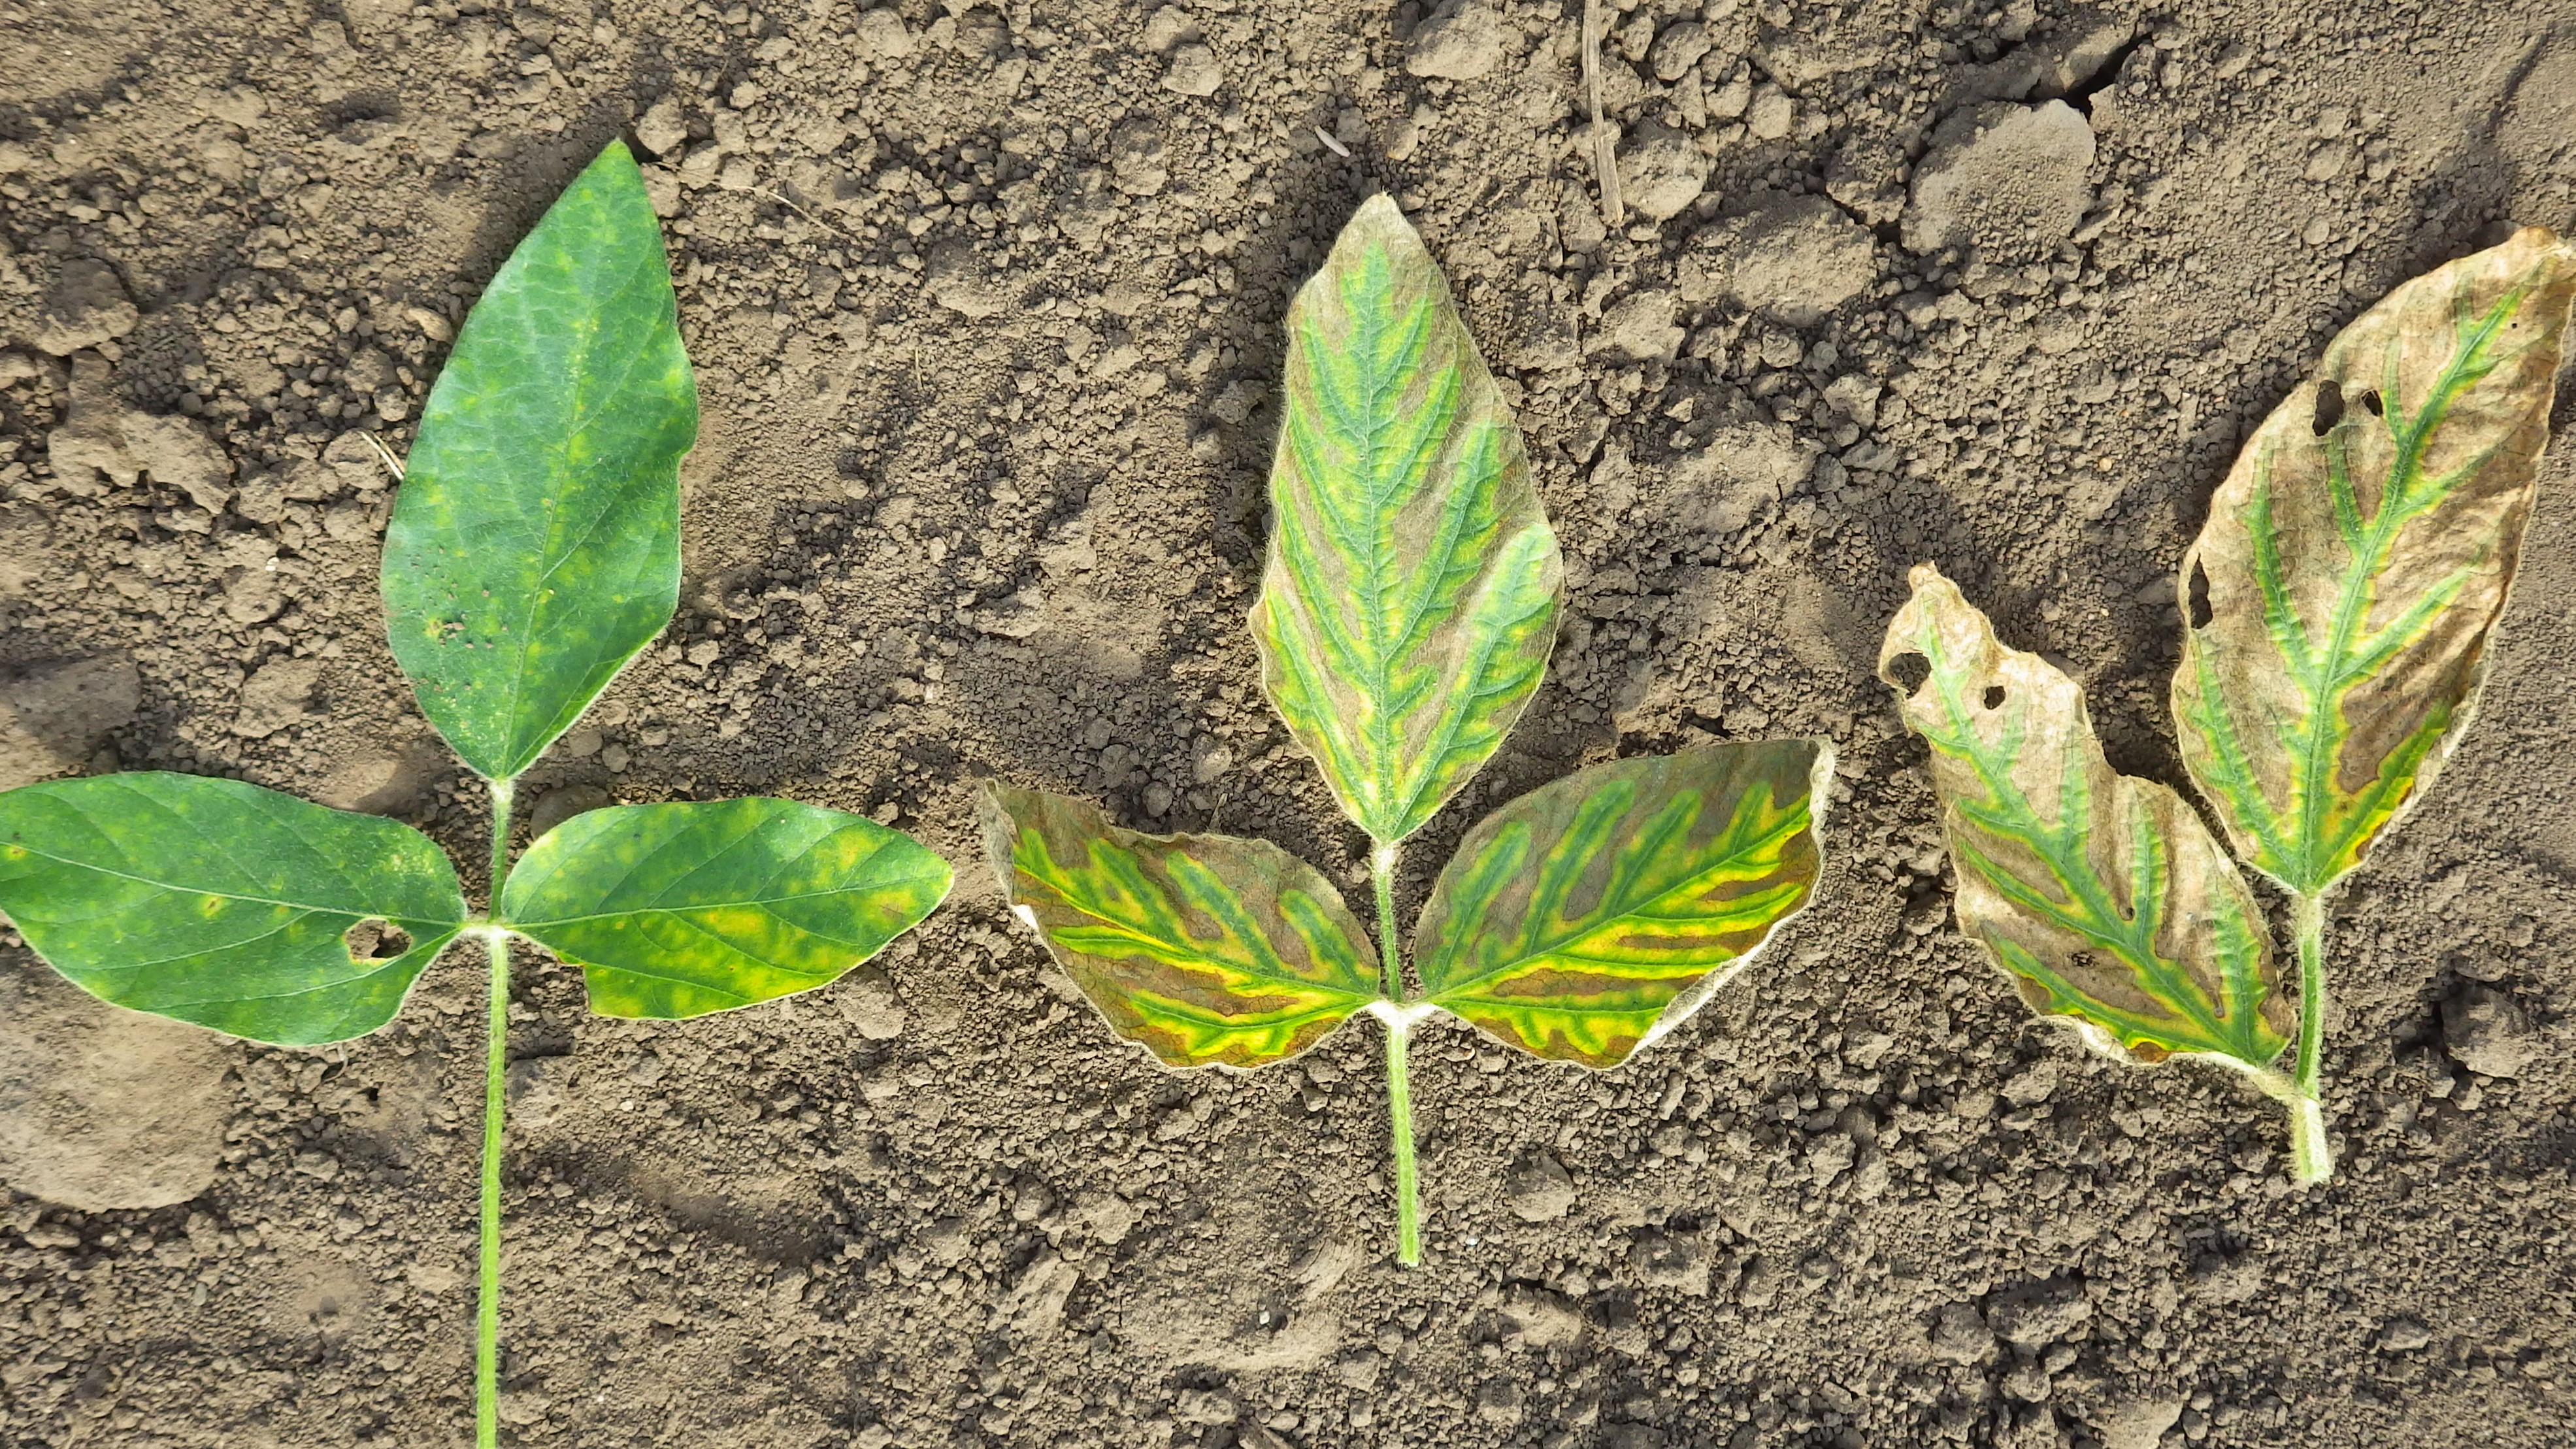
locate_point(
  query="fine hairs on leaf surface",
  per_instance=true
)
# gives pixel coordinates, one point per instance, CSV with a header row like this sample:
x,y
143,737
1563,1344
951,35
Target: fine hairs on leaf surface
x,y
2338,606
1405,618
534,549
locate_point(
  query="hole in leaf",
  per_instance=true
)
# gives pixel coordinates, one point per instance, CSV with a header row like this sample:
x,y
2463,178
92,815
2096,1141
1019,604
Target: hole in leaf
x,y
375,940
1994,696
2200,610
1909,670
2329,408
2371,401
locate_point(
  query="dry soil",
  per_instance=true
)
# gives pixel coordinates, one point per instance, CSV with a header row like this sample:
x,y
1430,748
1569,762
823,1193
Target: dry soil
x,y
985,302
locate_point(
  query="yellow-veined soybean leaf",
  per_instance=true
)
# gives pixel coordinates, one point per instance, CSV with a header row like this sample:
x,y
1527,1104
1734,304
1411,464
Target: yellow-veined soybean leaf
x,y
1206,949
535,543
2340,595
224,904
2103,894
678,910
1590,916
1410,595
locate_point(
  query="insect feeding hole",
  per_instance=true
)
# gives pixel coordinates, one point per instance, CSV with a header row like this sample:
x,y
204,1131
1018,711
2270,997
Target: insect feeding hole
x,y
375,940
1909,670
2329,408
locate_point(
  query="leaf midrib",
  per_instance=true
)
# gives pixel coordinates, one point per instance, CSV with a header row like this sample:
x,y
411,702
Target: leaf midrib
x,y
516,922
561,551
2325,684
311,907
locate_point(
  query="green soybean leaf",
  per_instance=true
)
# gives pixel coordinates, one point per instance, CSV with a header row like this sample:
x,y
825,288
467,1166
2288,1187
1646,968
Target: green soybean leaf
x,y
535,542
2103,894
224,904
1206,949
678,910
1588,917
2356,556
1411,591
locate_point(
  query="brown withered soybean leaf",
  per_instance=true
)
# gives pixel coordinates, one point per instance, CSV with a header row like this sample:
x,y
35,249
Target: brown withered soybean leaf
x,y
2104,895
2341,593
1208,950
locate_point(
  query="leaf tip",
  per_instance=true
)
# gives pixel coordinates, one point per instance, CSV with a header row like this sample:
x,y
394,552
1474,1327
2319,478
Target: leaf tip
x,y
1381,224
1380,210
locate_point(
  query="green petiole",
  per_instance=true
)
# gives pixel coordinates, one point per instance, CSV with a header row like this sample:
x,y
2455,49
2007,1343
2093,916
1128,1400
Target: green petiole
x,y
487,1328
1399,1116
1399,1084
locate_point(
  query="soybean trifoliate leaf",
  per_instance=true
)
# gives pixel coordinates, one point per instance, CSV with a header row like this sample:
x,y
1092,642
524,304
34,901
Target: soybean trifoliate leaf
x,y
2103,894
1206,949
535,542
224,904
678,910
1589,916
2340,595
1411,590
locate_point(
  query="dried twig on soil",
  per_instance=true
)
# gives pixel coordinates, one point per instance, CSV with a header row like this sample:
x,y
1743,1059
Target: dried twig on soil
x,y
1605,154
789,202
385,455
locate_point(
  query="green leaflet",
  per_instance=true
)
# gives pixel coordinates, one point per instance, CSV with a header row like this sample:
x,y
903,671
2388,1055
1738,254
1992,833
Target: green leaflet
x,y
2356,556
1410,595
221,903
2103,895
1572,920
535,542
678,910
1206,949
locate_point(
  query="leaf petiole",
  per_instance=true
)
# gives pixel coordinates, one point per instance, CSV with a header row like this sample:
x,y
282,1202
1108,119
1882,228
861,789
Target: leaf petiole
x,y
1399,1020
2312,1158
2311,1155
1399,1082
487,1330
1390,953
